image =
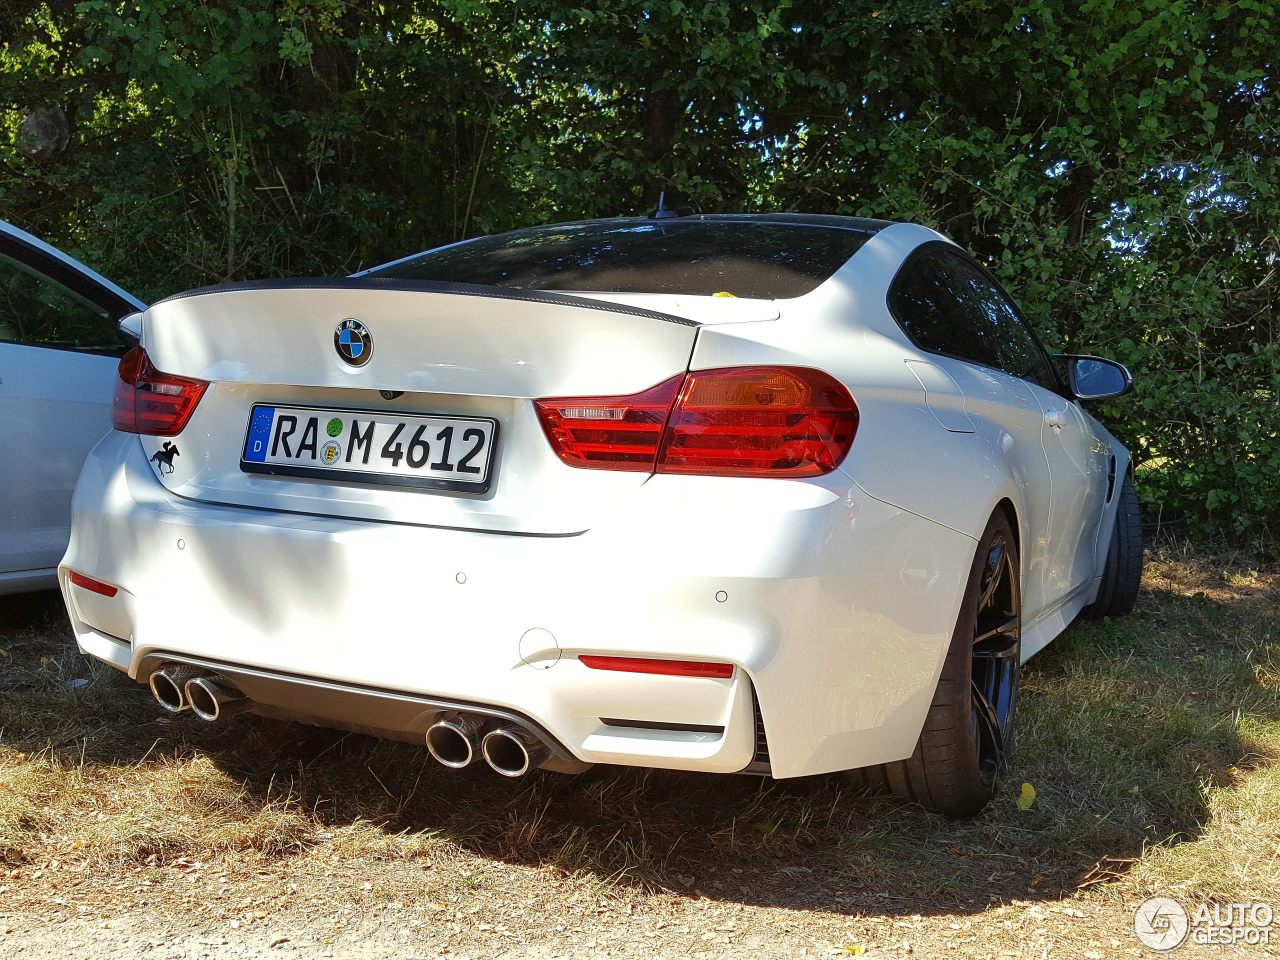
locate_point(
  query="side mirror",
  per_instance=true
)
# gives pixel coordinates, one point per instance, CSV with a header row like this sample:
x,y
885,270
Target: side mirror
x,y
1094,378
130,328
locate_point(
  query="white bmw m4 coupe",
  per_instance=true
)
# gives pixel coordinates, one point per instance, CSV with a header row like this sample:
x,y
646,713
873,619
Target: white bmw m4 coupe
x,y
775,494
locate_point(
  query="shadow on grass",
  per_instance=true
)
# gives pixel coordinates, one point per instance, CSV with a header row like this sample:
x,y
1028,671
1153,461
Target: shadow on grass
x,y
1122,725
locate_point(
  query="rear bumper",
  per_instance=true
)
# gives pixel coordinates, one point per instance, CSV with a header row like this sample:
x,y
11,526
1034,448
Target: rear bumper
x,y
834,608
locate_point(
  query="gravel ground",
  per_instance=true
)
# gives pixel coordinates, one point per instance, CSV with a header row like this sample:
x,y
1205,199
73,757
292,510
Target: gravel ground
x,y
525,912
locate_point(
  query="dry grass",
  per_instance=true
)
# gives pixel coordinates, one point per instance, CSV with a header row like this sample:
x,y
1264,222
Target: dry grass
x,y
1153,743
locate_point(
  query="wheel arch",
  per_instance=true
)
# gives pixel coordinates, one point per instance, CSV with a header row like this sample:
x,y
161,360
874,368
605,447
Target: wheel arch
x,y
1005,500
1005,505
1124,467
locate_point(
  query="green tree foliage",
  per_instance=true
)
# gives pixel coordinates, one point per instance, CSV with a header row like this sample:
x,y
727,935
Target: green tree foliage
x,y
1114,161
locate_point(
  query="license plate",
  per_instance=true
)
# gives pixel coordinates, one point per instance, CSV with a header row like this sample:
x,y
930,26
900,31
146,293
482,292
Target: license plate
x,y
446,453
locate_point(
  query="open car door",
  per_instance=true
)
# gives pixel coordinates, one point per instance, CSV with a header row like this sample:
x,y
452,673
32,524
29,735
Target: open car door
x,y
59,348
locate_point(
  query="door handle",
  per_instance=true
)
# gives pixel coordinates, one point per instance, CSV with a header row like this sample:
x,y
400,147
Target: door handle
x,y
1055,418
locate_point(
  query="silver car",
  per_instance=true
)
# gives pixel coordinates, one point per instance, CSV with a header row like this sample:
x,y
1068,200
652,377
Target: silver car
x,y
59,350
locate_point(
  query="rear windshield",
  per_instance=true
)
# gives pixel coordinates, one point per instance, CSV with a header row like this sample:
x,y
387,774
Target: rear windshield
x,y
762,260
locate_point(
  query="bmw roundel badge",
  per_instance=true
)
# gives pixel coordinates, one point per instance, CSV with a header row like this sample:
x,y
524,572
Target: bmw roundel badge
x,y
353,341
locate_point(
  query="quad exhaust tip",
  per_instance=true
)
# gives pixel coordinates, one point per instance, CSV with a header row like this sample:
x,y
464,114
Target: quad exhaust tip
x,y
178,688
458,741
512,752
455,741
168,685
212,698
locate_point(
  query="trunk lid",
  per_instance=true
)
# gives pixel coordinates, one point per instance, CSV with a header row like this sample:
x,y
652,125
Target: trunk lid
x,y
451,350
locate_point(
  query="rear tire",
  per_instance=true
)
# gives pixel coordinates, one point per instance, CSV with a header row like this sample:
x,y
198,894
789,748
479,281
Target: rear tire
x,y
1122,573
964,748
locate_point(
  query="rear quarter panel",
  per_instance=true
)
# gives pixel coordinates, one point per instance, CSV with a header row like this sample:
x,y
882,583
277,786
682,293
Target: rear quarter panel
x,y
903,454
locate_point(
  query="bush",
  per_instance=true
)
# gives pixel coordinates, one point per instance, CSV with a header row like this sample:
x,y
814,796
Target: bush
x,y
1113,163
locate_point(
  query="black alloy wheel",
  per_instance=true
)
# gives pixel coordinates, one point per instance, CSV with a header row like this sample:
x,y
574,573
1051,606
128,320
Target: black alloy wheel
x,y
997,646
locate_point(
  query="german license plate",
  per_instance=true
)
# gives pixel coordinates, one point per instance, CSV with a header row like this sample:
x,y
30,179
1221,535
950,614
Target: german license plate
x,y
447,453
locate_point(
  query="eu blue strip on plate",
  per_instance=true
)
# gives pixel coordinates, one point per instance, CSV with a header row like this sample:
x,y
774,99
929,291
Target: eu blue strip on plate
x,y
255,445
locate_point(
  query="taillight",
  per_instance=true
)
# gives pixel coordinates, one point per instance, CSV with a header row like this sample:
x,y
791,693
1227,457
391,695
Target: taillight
x,y
150,402
734,422
759,422
610,433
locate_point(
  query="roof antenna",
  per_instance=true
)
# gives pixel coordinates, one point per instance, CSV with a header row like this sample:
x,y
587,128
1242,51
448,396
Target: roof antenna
x,y
662,213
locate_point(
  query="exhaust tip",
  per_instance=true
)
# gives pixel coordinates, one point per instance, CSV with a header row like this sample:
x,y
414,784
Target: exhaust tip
x,y
209,699
511,752
166,686
454,742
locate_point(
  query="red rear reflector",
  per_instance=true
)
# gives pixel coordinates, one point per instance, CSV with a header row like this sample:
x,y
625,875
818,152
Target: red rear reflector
x,y
150,402
92,585
731,422
679,668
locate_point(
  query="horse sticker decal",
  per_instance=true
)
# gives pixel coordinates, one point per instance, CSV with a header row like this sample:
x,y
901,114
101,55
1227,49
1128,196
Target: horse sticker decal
x,y
163,458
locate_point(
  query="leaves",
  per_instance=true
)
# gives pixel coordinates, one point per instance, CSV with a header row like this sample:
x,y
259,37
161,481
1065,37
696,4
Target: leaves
x,y
1115,163
1026,797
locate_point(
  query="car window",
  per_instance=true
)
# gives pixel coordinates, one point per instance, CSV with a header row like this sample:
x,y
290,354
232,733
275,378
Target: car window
x,y
934,301
36,310
1020,353
680,256
947,304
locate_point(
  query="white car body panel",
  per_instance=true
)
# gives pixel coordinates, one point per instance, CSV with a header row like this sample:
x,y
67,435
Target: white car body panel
x,y
520,350
834,598
56,404
287,591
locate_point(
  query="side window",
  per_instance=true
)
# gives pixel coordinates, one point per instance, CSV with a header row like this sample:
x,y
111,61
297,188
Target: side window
x,y
36,310
932,300
1020,353
947,305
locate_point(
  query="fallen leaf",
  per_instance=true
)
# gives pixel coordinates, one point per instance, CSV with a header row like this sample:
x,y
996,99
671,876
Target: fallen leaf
x,y
1027,797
